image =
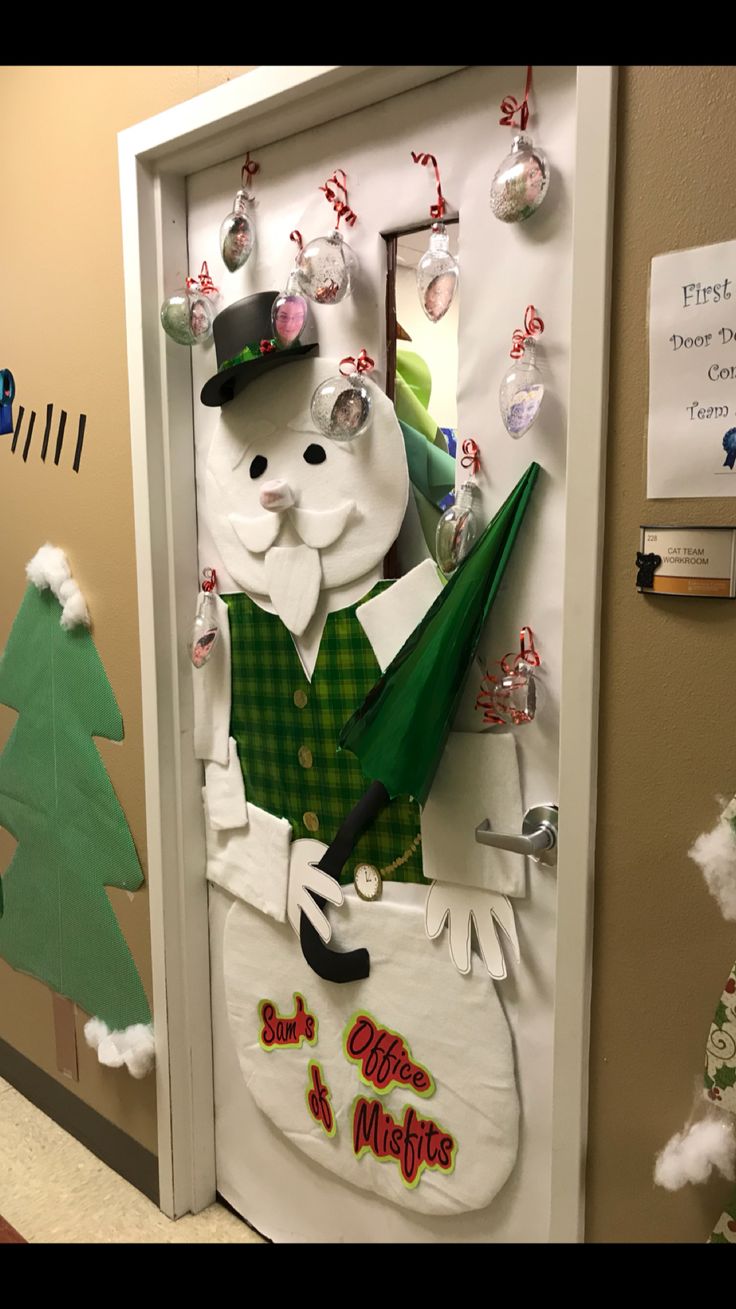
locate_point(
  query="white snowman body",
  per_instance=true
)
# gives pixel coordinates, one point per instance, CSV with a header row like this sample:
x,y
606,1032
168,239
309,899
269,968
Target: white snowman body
x,y
303,525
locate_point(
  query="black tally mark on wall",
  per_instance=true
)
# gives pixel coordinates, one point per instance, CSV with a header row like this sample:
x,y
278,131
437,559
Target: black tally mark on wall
x,y
25,445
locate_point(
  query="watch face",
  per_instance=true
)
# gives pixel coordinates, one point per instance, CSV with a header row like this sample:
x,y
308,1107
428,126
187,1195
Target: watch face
x,y
368,882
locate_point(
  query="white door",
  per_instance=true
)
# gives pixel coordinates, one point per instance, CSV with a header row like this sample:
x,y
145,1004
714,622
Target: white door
x,y
470,1029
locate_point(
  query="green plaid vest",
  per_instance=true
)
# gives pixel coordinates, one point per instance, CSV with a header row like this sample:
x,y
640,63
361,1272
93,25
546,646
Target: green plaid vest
x,y
287,729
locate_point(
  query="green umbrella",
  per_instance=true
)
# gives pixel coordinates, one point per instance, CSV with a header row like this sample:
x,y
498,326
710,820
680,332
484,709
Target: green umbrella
x,y
399,732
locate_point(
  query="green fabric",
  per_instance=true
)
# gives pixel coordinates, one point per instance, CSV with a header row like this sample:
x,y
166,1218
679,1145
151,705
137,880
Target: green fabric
x,y
399,732
720,1050
431,469
271,729
415,372
410,410
56,799
253,351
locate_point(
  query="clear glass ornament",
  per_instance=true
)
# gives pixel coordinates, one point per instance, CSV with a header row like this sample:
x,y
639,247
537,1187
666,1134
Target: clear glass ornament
x,y
187,316
458,528
205,631
521,182
237,235
289,313
341,407
437,275
522,392
516,695
325,269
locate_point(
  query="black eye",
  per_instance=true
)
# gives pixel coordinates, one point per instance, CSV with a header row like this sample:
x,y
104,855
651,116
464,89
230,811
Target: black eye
x,y
314,454
258,466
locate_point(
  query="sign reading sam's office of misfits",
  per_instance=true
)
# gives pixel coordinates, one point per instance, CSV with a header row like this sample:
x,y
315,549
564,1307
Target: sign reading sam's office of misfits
x,y
692,373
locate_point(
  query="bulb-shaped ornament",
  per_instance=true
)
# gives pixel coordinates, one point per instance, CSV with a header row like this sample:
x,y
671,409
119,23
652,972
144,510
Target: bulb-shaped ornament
x,y
522,392
438,272
458,528
521,182
237,235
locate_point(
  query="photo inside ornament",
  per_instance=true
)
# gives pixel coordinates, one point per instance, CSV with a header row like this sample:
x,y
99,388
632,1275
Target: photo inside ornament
x,y
521,182
325,268
521,393
288,317
438,272
204,631
236,235
341,407
187,317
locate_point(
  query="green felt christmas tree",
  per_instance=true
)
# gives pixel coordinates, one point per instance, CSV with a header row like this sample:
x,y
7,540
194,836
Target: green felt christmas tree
x,y
56,799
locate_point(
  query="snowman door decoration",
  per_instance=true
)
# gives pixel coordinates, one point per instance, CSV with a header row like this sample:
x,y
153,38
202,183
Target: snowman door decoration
x,y
371,1046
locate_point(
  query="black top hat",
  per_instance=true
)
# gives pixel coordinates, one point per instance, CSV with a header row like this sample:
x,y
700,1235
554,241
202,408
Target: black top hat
x,y
243,332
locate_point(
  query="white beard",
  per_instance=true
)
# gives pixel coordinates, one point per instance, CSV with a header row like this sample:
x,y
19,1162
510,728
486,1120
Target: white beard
x,y
294,578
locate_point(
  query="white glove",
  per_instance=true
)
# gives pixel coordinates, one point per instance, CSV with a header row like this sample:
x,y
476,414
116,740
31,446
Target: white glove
x,y
304,881
464,905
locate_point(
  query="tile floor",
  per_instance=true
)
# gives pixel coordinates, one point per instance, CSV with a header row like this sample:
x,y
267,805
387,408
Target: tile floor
x,y
53,1190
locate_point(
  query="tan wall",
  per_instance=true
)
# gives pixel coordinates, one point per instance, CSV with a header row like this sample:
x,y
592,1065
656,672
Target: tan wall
x,y
668,732
62,332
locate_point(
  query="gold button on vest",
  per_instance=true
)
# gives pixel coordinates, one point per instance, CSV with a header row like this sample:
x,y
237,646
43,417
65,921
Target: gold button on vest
x,y
311,821
301,699
305,756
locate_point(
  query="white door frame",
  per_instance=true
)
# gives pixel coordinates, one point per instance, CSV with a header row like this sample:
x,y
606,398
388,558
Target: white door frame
x,y
155,158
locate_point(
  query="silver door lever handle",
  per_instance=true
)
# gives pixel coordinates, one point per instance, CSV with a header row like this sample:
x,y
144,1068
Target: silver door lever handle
x,y
538,838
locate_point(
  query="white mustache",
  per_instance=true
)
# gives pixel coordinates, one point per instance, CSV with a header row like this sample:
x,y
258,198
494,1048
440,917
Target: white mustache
x,y
317,528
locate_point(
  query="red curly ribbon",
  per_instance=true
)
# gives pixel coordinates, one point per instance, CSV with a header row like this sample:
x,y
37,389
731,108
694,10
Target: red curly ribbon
x,y
341,207
362,364
297,237
471,456
533,326
510,106
249,169
210,579
206,285
436,211
493,698
266,347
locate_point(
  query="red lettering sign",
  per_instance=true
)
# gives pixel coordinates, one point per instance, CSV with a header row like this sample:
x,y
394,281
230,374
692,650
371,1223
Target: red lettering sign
x,y
414,1144
384,1057
279,1030
318,1099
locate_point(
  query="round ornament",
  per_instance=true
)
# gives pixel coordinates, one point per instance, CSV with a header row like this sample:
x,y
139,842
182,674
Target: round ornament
x,y
187,315
341,406
325,268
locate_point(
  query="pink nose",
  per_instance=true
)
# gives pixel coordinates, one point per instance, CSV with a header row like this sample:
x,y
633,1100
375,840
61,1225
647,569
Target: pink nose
x,y
276,495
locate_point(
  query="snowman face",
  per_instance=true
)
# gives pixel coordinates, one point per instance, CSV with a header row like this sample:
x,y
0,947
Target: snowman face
x,y
274,481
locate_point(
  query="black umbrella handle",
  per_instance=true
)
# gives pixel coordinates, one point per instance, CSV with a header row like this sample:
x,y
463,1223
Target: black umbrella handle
x,y
337,965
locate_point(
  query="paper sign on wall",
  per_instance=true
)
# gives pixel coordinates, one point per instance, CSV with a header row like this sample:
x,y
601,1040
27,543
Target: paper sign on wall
x,y
692,373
